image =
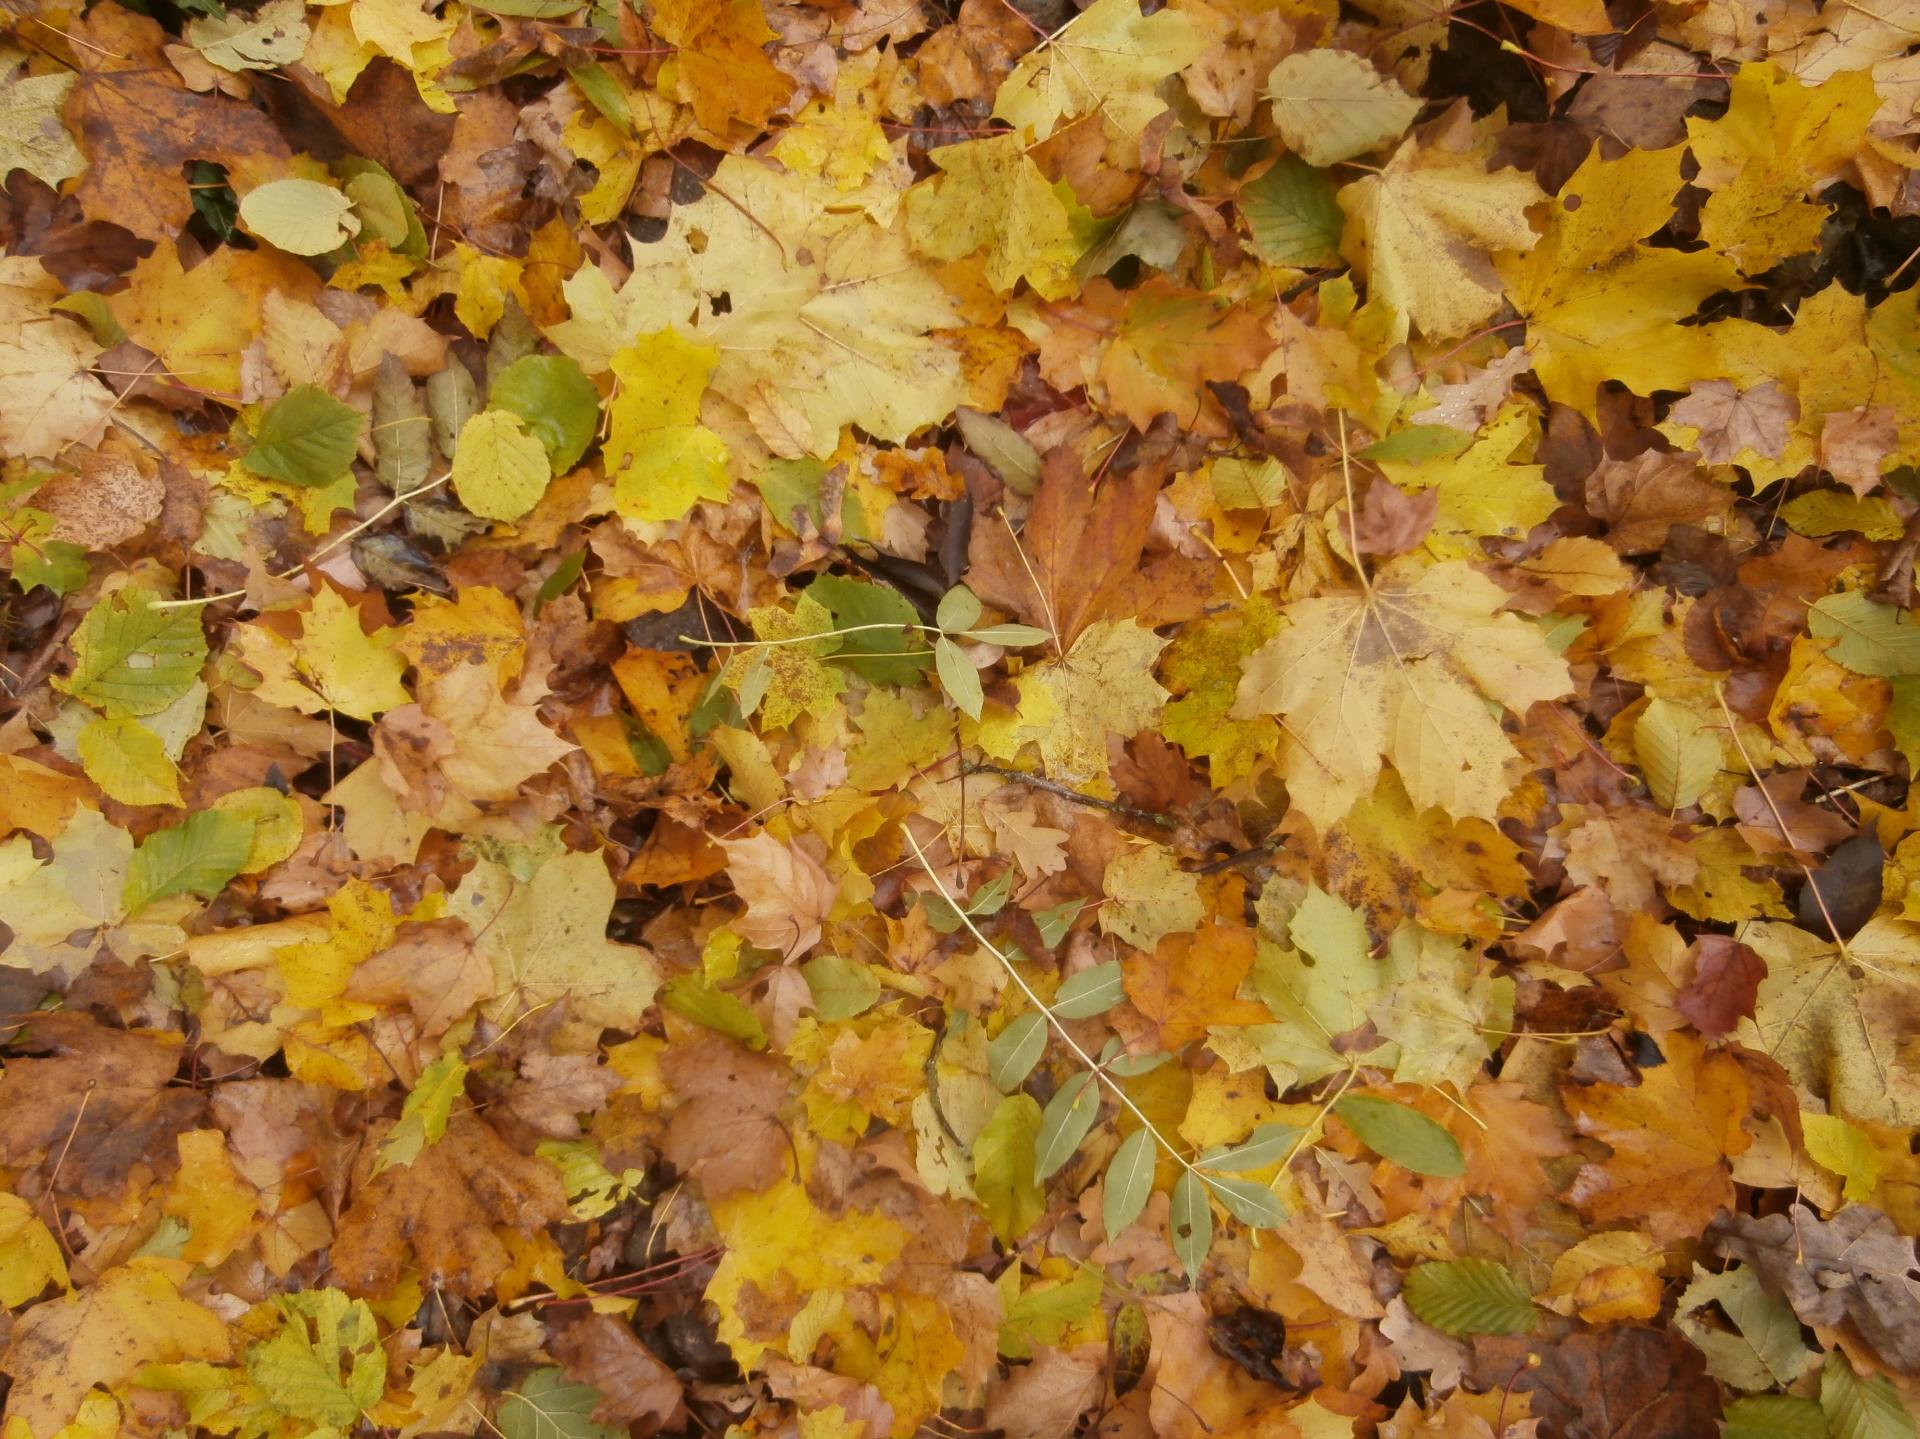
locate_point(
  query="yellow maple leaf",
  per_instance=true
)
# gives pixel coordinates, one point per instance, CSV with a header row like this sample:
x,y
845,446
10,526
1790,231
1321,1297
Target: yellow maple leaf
x,y
129,1317
1483,491
1778,142
334,664
209,1196
1068,706
1602,306
1402,670
991,196
1425,229
1109,58
661,459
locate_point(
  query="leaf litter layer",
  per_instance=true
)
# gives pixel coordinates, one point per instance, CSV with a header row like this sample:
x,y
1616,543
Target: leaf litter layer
x,y
882,717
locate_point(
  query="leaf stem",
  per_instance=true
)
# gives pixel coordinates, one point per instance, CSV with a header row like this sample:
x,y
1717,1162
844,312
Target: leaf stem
x,y
1053,1020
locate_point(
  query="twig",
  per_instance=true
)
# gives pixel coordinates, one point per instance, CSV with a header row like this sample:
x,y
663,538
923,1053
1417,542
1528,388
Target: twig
x,y
1113,806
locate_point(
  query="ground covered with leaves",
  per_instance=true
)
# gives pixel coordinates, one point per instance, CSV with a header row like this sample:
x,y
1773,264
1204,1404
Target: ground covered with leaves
x,y
945,716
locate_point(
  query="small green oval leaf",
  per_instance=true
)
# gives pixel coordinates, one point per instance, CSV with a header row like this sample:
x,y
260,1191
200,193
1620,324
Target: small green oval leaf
x,y
1129,1181
1403,1136
1091,991
1064,1123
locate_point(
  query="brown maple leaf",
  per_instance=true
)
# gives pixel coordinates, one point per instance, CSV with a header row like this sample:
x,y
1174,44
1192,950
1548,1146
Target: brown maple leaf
x,y
726,1131
138,124
97,1107
1078,559
443,1208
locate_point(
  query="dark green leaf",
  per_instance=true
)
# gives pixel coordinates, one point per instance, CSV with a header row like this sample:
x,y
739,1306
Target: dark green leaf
x,y
306,438
885,656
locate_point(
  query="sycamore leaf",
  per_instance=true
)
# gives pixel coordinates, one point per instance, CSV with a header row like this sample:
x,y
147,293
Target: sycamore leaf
x,y
1109,58
423,1118
30,128
1833,1015
30,1258
546,938
325,1366
1402,671
662,458
131,1316
990,195
334,664
1425,230
77,892
274,35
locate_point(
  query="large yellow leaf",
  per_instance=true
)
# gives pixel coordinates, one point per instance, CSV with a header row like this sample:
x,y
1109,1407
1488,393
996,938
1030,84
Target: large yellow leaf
x,y
1404,671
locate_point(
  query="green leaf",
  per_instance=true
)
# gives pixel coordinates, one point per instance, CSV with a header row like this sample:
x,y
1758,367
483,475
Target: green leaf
x,y
1249,1201
1045,1312
1191,1220
499,470
1016,1049
302,217
1055,920
958,678
1268,1144
1293,214
548,1405
603,92
328,1375
1068,1117
197,857
1859,1408
1419,442
1007,452
1003,1176
1010,636
1678,752
424,1115
1470,1296
1091,991
1129,1181
691,997
306,438
959,607
1866,636
841,987
882,657
1402,1136
555,400
132,658
1774,1416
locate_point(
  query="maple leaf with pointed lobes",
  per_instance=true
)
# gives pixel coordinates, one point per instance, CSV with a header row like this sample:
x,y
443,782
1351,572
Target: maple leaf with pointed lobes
x,y
1425,229
1402,671
1671,1138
